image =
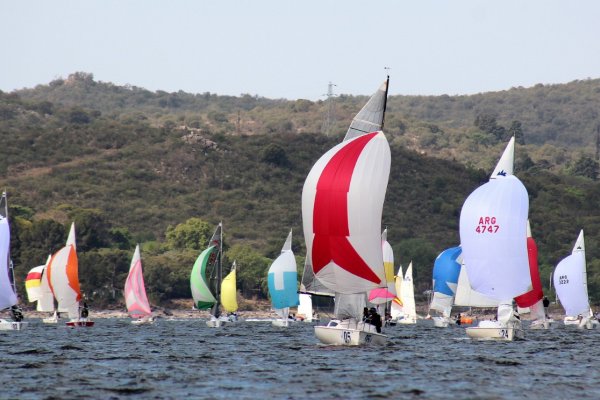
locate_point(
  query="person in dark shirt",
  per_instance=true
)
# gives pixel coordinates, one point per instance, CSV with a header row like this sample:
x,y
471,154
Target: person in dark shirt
x,y
374,319
546,304
17,314
84,310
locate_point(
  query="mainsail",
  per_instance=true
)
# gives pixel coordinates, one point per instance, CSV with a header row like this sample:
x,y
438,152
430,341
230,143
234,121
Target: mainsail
x,y
282,279
136,300
342,204
371,117
570,281
8,297
408,295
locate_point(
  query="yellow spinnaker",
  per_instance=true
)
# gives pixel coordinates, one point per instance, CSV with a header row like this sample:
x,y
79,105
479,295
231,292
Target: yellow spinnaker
x,y
229,293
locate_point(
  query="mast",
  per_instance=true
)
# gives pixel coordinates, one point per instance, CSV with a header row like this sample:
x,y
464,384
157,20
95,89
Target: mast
x,y
387,85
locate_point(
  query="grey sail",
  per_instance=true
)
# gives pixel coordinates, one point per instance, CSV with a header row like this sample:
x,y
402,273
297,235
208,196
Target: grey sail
x,y
310,284
370,117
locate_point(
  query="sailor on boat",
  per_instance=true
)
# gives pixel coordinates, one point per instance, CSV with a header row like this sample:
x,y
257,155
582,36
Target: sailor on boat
x,y
17,314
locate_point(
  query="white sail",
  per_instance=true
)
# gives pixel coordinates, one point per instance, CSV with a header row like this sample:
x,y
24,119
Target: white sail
x,y
570,281
305,308
8,298
506,162
408,295
388,262
493,223
467,297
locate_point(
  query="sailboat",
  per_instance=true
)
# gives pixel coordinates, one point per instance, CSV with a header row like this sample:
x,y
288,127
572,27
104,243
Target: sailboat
x,y
38,290
409,310
206,278
493,232
136,300
282,279
64,282
8,292
342,204
229,294
446,270
570,282
532,301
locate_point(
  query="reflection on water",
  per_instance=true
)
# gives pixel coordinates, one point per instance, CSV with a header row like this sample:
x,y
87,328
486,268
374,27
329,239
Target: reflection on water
x,y
250,360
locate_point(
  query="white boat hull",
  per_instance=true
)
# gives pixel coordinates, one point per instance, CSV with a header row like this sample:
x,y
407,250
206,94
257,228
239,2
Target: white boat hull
x,y
349,333
440,322
283,323
581,324
80,322
6,325
498,333
407,321
536,325
142,321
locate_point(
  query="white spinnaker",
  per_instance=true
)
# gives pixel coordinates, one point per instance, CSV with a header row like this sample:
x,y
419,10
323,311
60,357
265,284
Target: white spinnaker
x,y
467,297
365,205
8,297
493,225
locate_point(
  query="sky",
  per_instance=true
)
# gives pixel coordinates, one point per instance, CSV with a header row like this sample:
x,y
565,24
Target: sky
x,y
293,49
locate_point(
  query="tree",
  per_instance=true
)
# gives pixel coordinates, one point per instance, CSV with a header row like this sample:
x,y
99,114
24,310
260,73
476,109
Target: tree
x,y
586,166
252,270
275,154
192,234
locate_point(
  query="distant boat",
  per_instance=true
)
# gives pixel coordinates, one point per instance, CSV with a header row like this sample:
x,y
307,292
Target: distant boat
x,y
136,300
446,270
409,309
206,278
38,290
282,279
63,277
570,282
8,292
532,301
493,233
229,294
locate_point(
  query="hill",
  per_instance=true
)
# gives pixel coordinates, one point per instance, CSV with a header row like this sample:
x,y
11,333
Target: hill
x,y
130,172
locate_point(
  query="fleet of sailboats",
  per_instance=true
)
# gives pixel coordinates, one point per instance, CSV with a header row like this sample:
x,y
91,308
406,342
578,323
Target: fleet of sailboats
x,y
348,259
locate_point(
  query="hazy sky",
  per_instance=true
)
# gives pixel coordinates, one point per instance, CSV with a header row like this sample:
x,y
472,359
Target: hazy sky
x,y
292,49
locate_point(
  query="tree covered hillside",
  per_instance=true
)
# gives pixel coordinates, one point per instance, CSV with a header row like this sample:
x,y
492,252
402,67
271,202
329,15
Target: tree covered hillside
x,y
165,177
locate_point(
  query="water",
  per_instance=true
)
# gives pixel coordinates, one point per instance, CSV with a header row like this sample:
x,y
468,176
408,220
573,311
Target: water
x,y
253,360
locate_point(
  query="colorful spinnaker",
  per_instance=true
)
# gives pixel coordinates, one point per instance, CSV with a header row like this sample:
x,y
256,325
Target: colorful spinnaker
x,y
136,300
282,279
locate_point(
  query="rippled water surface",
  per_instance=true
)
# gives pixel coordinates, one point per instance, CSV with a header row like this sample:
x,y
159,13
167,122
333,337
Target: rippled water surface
x,y
181,359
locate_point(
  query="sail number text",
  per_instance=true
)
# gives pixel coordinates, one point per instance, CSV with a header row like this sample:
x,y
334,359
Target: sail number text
x,y
487,224
562,280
